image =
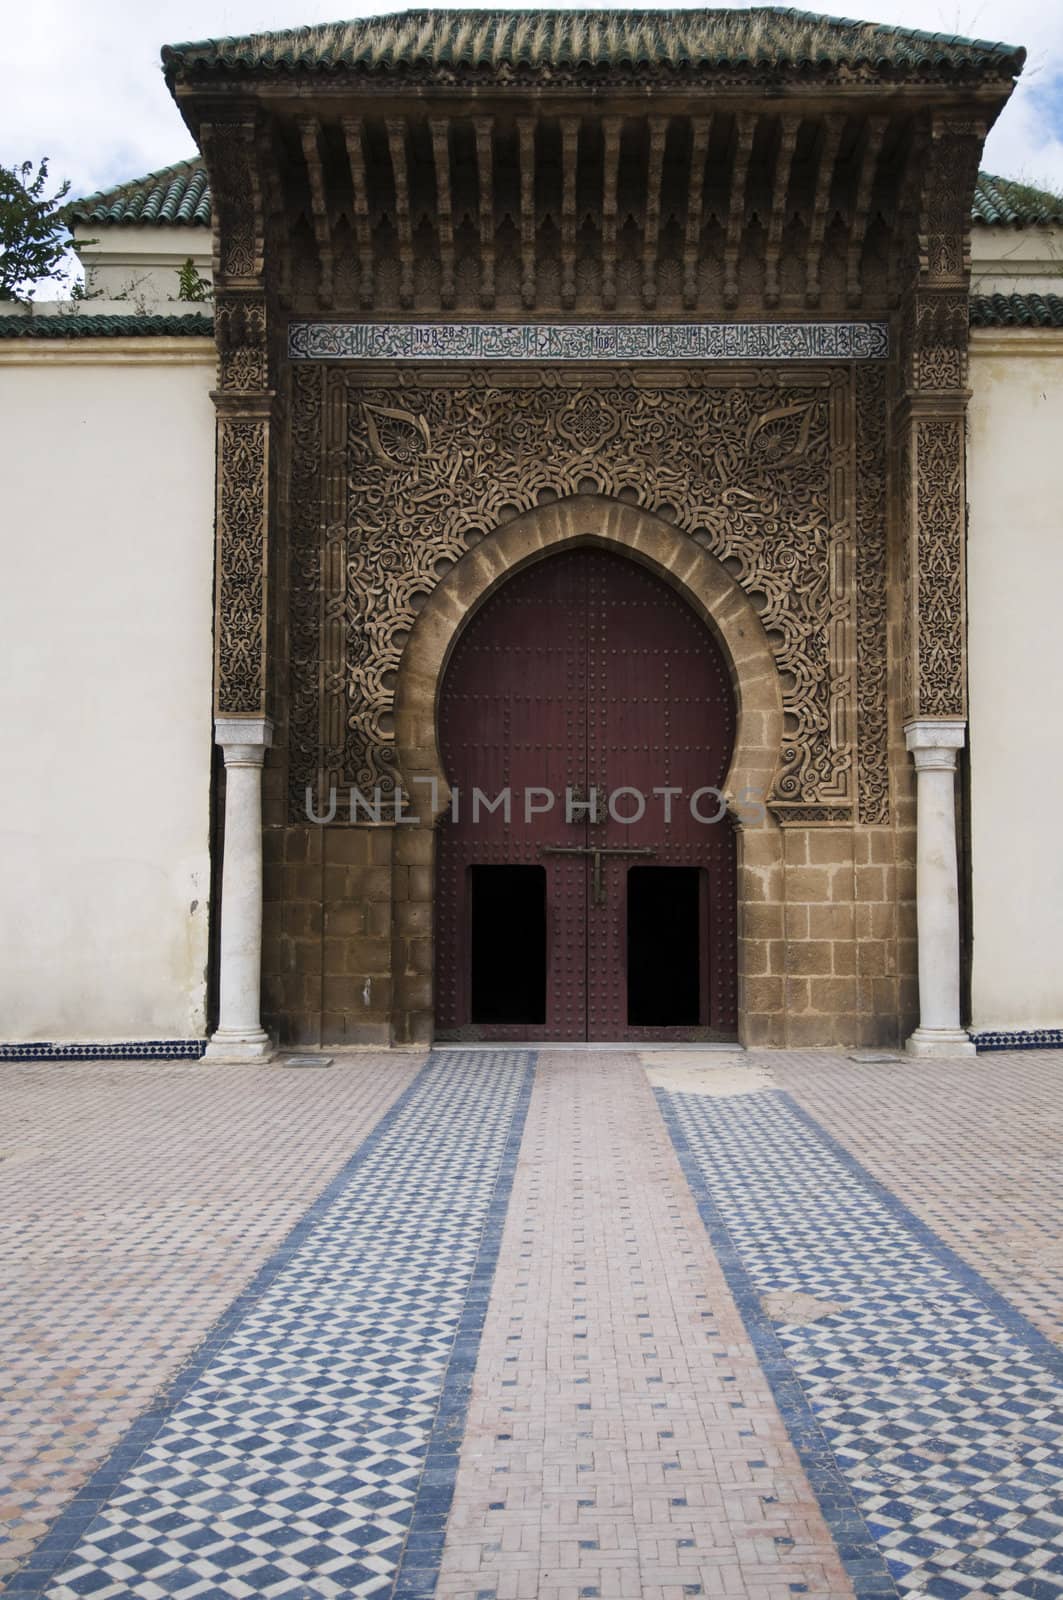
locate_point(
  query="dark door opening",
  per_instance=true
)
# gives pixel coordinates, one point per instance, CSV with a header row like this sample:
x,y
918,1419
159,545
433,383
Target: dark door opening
x,y
663,947
508,944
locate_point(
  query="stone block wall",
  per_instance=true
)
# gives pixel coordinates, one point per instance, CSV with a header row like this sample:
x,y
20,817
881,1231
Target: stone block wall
x,y
826,920
826,934
347,924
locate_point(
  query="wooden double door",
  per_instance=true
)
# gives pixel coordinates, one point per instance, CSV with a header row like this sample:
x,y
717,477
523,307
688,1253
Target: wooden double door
x,y
586,872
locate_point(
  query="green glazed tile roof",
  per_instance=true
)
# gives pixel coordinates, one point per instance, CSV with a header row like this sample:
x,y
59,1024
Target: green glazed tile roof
x,y
178,194
998,201
1017,311
987,311
84,325
181,194
762,36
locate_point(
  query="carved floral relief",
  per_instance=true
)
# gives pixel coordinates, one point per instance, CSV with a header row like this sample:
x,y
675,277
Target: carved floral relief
x,y
241,622
764,475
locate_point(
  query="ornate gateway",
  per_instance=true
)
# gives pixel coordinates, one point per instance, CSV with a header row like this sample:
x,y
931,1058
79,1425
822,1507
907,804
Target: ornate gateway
x,y
488,284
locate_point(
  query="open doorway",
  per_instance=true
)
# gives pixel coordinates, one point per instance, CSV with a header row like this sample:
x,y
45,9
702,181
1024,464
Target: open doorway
x,y
664,955
507,909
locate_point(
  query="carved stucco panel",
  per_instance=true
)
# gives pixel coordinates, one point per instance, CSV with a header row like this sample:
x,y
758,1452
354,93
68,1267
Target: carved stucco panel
x,y
759,473
243,453
871,595
930,487
240,332
305,564
939,567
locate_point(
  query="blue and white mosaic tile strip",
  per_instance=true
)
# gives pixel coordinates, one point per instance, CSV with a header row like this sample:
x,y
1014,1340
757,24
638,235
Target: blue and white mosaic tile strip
x,y
925,1404
132,1050
587,341
311,1447
1020,1039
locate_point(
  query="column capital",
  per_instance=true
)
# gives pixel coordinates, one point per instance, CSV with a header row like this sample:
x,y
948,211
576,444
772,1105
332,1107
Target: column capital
x,y
934,741
242,734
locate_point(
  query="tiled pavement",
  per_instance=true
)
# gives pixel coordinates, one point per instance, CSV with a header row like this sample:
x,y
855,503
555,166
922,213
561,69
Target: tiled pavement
x,y
975,1148
135,1203
288,1461
925,1403
899,1433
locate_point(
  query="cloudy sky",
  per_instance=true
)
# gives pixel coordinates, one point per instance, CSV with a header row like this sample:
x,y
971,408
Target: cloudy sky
x,y
80,79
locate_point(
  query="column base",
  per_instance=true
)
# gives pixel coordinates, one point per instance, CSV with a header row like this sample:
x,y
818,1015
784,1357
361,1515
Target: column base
x,y
940,1042
230,1045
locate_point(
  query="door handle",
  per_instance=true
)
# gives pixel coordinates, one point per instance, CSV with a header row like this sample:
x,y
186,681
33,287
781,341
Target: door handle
x,y
597,851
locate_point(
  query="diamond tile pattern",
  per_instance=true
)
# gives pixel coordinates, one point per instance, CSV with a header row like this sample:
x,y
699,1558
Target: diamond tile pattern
x,y
291,1463
943,1408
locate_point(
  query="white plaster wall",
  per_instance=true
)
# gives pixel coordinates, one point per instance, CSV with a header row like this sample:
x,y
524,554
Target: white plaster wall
x,y
141,264
105,698
1015,578
1016,260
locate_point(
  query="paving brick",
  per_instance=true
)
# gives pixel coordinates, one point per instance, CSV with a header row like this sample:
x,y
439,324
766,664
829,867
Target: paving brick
x,y
617,1403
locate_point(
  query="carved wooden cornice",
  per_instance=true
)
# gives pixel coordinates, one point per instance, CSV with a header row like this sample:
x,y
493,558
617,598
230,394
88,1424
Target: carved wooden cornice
x,y
309,130
352,133
230,151
531,205
485,174
440,129
874,134
784,160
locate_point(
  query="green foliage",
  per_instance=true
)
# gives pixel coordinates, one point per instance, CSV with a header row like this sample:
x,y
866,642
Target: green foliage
x,y
190,286
33,236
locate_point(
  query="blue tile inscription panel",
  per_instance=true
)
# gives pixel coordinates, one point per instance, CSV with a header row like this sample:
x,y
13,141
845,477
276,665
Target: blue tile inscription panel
x,y
586,341
927,1412
311,1447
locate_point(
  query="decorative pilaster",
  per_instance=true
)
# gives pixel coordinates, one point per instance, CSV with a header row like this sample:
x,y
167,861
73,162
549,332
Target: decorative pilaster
x,y
932,500
240,1035
244,403
931,427
933,745
241,554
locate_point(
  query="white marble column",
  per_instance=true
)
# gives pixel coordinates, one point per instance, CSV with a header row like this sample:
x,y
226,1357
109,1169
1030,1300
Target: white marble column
x,y
239,1035
933,746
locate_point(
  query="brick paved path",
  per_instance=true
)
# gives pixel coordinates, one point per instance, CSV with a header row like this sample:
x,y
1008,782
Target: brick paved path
x,y
623,1437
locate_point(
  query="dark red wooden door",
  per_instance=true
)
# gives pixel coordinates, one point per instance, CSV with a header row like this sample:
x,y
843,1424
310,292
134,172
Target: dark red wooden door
x,y
590,707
